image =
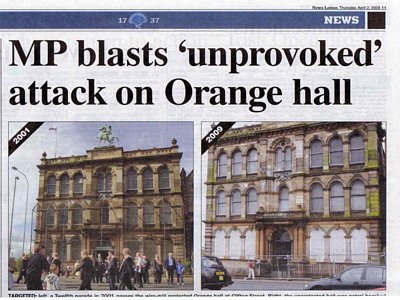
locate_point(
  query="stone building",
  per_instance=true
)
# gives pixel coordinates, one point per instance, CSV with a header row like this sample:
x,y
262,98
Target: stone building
x,y
311,192
110,199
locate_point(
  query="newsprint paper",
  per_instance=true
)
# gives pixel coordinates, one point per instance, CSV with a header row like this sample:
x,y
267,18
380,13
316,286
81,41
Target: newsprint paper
x,y
184,150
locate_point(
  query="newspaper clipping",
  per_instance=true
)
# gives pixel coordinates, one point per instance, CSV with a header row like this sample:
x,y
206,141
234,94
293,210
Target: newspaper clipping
x,y
219,150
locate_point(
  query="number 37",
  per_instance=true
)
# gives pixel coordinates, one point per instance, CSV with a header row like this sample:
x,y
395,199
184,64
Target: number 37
x,y
154,20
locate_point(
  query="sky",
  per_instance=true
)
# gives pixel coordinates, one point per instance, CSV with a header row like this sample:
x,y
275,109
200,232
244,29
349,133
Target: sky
x,y
74,138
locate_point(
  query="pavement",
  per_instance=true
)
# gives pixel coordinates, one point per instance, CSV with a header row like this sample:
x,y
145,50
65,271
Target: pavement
x,y
72,283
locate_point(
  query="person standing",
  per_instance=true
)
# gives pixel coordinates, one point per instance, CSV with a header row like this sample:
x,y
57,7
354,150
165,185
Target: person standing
x,y
112,270
37,265
125,270
22,270
158,269
170,266
52,280
57,262
180,268
146,269
100,270
86,269
251,266
139,269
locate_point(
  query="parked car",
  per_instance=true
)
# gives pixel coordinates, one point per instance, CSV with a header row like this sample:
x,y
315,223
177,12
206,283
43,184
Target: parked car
x,y
360,277
214,276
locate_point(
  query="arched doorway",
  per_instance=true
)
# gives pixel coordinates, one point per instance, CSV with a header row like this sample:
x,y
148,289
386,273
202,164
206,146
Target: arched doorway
x,y
281,243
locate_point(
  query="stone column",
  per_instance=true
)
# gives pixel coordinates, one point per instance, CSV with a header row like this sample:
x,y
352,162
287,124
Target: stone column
x,y
299,155
327,248
155,183
68,249
326,203
348,248
228,166
57,187
227,240
140,216
325,156
347,204
346,154
242,247
140,183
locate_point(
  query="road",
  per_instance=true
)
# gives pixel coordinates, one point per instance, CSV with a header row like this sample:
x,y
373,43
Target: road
x,y
72,284
265,285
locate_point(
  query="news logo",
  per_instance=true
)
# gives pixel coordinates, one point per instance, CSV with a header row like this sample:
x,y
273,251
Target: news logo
x,y
338,20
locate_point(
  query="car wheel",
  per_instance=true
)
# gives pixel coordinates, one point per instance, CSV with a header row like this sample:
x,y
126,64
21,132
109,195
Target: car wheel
x,y
217,287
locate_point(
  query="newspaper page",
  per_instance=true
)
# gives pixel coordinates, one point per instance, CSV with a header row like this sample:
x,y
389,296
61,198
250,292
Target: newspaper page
x,y
199,150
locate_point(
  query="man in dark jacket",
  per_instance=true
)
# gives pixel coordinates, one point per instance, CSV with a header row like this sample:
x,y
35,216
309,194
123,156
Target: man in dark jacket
x,y
24,265
126,270
112,270
170,265
37,265
86,269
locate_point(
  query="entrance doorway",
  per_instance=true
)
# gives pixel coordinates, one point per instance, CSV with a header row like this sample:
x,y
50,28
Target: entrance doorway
x,y
281,253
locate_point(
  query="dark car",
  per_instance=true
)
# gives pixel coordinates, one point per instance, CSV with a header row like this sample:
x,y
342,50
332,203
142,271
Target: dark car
x,y
214,276
360,277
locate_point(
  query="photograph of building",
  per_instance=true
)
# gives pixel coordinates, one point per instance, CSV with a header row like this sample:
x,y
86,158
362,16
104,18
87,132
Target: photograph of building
x,y
132,188
299,198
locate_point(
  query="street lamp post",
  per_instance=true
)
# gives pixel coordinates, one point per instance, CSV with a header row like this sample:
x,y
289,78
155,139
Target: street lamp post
x,y
12,217
26,205
30,241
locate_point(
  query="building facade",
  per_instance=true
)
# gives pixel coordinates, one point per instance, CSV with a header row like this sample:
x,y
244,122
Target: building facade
x,y
109,199
305,192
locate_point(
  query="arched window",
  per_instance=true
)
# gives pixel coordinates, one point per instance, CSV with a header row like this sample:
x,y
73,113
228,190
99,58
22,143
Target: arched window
x,y
337,246
62,249
104,183
63,216
235,244
250,244
64,185
251,201
165,213
50,216
133,245
105,214
317,245
51,185
163,179
147,179
252,162
149,247
132,215
237,164
236,203
316,154
148,214
336,152
49,247
219,243
78,183
131,180
220,204
167,246
284,199
357,196
336,197
283,159
222,165
77,215
316,198
359,246
357,149
76,247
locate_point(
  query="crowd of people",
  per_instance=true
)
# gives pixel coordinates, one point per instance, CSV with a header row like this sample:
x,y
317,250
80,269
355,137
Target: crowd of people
x,y
41,273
